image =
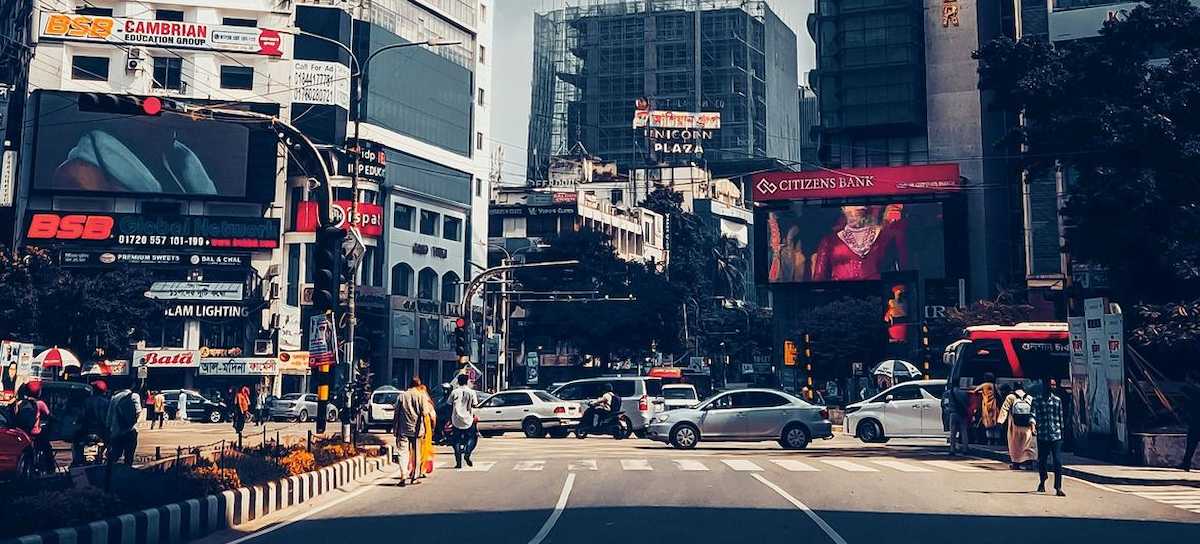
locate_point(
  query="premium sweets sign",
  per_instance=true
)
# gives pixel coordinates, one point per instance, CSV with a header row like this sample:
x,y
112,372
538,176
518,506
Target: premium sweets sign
x,y
151,33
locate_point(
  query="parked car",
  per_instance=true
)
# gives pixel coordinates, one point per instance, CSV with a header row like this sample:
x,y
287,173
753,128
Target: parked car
x,y
16,450
744,415
680,395
532,411
301,407
380,411
199,408
641,396
908,410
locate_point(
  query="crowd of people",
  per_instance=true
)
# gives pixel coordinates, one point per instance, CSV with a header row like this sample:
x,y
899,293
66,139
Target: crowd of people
x,y
107,419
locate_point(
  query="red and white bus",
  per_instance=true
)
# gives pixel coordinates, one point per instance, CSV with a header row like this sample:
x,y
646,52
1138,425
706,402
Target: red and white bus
x,y
1021,352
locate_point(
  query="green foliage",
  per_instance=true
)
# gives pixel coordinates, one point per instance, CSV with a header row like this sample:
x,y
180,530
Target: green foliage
x,y
42,303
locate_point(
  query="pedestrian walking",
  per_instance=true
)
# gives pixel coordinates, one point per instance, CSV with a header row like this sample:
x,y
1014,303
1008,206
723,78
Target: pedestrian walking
x,y
183,404
409,426
958,418
463,401
151,414
123,412
989,408
258,406
1191,387
426,451
241,409
160,410
33,416
1048,426
1017,414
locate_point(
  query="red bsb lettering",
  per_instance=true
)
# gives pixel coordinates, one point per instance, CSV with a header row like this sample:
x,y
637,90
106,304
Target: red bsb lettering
x,y
69,227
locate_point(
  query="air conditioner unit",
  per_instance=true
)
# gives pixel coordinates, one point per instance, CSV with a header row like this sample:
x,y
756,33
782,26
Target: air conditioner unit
x,y
262,347
133,59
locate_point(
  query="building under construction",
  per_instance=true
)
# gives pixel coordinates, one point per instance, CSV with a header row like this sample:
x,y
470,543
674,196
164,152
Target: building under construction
x,y
592,61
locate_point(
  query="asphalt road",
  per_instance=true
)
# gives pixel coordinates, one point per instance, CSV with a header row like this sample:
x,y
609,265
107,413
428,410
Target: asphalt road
x,y
603,491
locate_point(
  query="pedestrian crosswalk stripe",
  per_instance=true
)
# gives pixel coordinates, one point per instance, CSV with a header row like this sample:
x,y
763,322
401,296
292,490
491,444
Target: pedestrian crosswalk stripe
x,y
529,465
1182,500
793,465
956,467
690,465
635,464
902,467
849,466
741,465
582,464
1168,494
480,466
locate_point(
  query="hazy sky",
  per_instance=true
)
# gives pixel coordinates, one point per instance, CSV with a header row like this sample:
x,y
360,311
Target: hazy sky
x,y
513,65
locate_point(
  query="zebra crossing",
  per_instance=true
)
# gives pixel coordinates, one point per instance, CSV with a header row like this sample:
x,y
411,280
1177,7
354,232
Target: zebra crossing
x,y
712,464
1184,498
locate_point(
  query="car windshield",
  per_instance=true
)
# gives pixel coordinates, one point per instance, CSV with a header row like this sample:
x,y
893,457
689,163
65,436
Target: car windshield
x,y
385,398
545,397
679,393
291,396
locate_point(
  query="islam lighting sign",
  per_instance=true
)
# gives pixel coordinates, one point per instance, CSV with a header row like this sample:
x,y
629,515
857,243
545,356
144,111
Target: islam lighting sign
x,y
151,33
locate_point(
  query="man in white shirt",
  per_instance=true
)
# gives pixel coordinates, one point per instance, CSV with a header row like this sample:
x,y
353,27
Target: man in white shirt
x,y
463,400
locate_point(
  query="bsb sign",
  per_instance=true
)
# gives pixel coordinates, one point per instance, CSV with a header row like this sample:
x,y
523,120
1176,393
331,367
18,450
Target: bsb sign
x,y
150,33
168,231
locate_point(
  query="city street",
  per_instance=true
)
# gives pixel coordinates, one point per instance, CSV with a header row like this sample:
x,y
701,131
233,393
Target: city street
x,y
839,491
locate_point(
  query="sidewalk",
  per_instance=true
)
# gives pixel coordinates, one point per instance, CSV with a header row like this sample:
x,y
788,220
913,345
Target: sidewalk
x,y
1096,471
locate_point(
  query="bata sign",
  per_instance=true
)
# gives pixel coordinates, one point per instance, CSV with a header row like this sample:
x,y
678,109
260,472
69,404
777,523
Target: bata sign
x,y
94,28
167,358
857,182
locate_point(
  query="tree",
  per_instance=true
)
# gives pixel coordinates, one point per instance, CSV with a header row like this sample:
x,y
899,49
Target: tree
x,y
690,242
842,331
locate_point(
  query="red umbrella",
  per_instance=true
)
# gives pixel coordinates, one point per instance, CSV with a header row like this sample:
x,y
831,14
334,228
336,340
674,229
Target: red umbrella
x,y
56,357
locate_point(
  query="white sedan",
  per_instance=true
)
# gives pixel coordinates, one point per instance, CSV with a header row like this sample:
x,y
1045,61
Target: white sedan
x,y
532,411
908,410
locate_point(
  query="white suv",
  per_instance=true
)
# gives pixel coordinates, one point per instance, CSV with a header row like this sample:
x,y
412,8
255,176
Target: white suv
x,y
908,410
380,410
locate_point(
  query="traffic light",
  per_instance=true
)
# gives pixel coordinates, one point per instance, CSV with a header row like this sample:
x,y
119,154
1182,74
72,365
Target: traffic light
x,y
926,352
789,353
327,268
808,351
122,103
461,347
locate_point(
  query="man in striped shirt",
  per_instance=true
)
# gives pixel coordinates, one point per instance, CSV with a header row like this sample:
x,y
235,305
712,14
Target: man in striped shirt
x,y
1048,424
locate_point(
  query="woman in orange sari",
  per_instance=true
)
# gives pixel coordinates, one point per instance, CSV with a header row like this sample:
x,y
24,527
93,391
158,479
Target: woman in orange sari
x,y
426,445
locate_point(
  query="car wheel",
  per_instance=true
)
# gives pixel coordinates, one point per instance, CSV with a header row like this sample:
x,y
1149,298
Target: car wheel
x,y
685,436
559,433
214,416
624,428
532,428
795,437
489,434
870,431
25,467
303,417
331,415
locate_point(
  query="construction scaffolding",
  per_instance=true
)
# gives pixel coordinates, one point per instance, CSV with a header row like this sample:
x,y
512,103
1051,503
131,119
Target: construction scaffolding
x,y
593,60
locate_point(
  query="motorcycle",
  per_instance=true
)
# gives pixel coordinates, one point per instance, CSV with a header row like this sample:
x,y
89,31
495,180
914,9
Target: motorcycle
x,y
93,448
616,425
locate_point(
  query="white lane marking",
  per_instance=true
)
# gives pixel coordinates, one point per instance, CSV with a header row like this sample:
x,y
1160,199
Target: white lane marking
x,y
954,466
480,466
741,465
689,465
833,535
849,466
1167,494
635,464
1175,500
530,465
582,464
314,511
902,467
793,465
558,510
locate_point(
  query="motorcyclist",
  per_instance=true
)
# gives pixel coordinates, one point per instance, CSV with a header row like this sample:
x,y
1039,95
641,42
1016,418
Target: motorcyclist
x,y
606,405
94,422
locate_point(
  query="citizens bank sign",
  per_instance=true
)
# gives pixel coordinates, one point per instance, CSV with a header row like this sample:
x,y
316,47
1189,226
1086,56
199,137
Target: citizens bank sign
x,y
151,33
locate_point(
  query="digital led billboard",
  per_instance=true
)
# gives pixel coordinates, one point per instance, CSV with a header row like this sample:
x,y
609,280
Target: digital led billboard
x,y
807,242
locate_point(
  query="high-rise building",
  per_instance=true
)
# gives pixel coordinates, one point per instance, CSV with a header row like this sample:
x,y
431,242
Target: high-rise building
x,y
593,61
810,127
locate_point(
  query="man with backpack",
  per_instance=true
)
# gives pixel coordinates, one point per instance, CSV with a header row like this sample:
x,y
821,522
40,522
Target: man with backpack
x,y
94,420
1017,413
123,412
1048,413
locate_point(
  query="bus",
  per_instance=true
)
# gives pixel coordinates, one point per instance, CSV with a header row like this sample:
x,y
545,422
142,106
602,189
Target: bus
x,y
1023,352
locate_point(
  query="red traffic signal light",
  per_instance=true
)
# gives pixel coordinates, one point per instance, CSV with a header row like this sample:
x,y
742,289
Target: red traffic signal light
x,y
151,105
460,323
121,103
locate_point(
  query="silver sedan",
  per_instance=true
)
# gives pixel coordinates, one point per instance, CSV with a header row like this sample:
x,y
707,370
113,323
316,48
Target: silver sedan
x,y
533,412
746,415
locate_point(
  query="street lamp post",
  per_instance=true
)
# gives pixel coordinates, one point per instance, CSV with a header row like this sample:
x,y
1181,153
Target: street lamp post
x,y
501,373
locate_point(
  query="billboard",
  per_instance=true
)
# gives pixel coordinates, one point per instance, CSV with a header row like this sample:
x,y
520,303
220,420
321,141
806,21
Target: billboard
x,y
153,33
132,230
805,243
369,218
79,150
857,182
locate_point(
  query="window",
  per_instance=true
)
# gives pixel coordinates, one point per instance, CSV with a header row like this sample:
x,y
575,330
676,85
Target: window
x,y
479,99
509,399
479,140
223,334
762,399
237,77
541,226
402,217
94,11
168,334
725,401
84,68
168,15
482,55
293,275
907,392
545,397
452,228
623,388
478,187
934,391
237,21
483,13
450,287
402,278
427,282
168,73
429,222
679,393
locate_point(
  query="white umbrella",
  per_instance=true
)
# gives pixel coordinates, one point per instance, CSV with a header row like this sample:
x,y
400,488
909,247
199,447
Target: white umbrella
x,y
56,357
897,370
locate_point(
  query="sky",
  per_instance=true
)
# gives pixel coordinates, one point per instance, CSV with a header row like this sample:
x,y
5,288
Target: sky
x,y
513,66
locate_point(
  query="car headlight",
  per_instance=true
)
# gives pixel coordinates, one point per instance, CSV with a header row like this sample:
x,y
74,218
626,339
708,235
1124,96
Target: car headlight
x,y
660,418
